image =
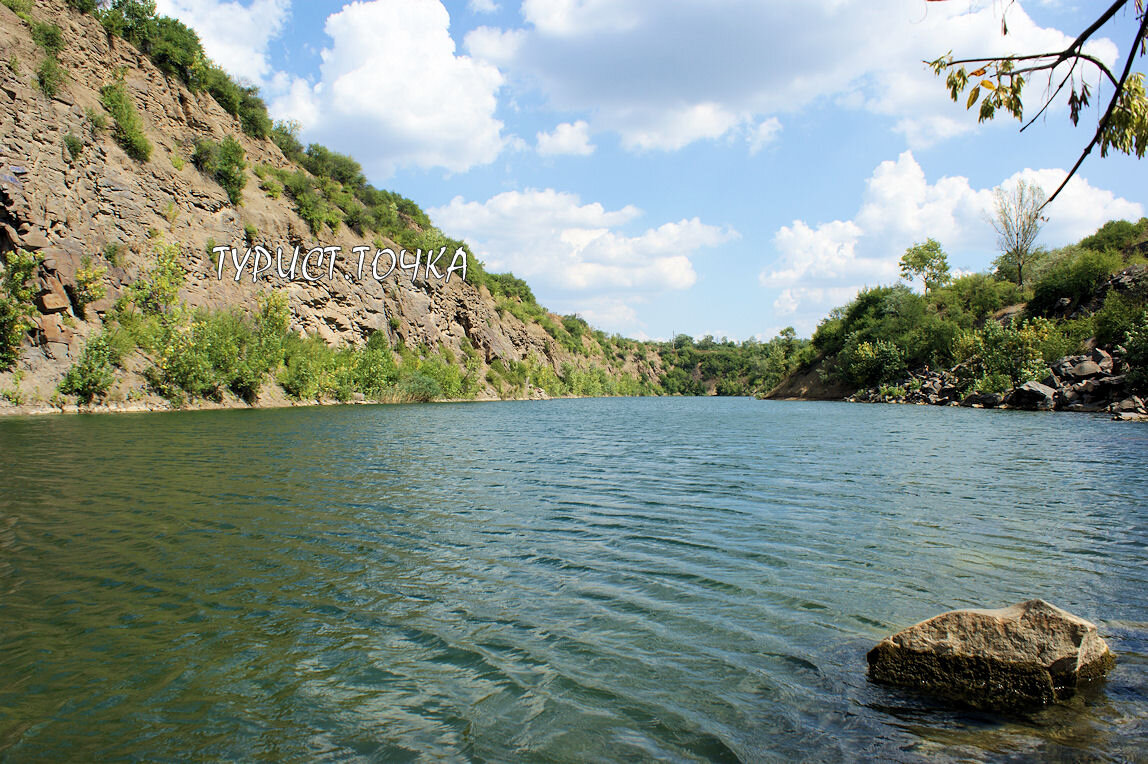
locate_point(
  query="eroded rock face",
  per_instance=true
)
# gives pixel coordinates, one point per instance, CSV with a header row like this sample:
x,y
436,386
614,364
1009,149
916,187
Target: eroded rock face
x,y
1029,654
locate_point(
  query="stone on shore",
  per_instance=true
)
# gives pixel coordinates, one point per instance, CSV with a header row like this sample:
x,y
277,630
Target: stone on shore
x,y
1029,654
1033,396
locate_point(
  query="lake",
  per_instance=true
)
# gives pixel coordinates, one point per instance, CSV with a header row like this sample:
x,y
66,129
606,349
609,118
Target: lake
x,y
680,579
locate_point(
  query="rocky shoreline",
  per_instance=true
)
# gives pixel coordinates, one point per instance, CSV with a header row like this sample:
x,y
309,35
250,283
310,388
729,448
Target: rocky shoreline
x,y
1092,382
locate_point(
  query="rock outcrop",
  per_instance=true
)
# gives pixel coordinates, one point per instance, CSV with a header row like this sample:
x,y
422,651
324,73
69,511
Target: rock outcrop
x,y
1089,382
1029,654
101,206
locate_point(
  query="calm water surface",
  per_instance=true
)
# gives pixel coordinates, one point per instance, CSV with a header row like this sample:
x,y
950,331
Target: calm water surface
x,y
575,580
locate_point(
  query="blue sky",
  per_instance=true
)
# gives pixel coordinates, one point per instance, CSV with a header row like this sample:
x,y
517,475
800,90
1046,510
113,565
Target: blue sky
x,y
725,167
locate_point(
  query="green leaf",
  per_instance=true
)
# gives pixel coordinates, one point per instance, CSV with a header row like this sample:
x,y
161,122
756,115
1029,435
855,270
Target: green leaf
x,y
974,94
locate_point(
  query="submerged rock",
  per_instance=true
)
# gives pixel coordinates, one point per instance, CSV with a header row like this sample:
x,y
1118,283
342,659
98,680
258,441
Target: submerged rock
x,y
1029,654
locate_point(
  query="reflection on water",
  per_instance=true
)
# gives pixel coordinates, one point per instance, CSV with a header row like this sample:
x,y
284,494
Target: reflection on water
x,y
680,579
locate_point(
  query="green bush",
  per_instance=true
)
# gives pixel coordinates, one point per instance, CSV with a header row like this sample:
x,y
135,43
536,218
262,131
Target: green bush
x,y
89,284
1012,352
16,309
83,6
307,367
182,365
1115,235
315,211
231,171
74,146
206,156
375,371
50,76
48,36
225,163
129,127
285,135
253,117
1115,318
1136,354
1076,279
157,291
20,7
175,49
200,354
868,364
92,373
420,388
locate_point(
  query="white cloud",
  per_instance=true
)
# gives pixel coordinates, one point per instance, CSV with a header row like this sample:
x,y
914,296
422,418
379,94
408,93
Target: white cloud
x,y
763,134
393,93
819,267
611,314
560,244
566,139
234,35
490,44
482,6
666,73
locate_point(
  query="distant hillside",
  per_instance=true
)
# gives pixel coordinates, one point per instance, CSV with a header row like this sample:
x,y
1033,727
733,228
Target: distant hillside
x,y
981,337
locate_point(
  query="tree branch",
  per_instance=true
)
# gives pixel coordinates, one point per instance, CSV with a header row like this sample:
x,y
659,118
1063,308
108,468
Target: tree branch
x,y
1140,37
1052,97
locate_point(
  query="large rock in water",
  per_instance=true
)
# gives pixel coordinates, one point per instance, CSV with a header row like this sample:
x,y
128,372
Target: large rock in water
x,y
1029,654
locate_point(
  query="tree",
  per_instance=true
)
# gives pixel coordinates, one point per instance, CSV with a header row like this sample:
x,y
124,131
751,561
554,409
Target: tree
x,y
928,262
1018,222
1124,124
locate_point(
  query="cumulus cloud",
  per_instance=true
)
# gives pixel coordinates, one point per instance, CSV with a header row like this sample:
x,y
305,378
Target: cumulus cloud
x,y
482,6
566,139
234,35
625,62
820,266
392,91
560,244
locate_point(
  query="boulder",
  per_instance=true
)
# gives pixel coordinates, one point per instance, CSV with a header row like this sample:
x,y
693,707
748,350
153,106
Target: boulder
x,y
1030,654
1033,396
983,400
1132,404
1086,370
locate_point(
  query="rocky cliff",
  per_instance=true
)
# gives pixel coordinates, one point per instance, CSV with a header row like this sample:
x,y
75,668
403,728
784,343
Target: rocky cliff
x,y
70,194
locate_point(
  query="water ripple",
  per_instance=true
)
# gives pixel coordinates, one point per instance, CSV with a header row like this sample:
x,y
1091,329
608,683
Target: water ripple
x,y
662,579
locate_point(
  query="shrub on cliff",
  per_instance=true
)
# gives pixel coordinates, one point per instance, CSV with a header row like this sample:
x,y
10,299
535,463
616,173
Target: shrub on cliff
x,y
1116,317
48,36
231,172
91,374
129,127
50,77
225,163
157,290
1074,279
16,309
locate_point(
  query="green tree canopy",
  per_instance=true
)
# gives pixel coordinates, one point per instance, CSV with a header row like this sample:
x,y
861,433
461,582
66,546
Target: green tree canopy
x,y
928,262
